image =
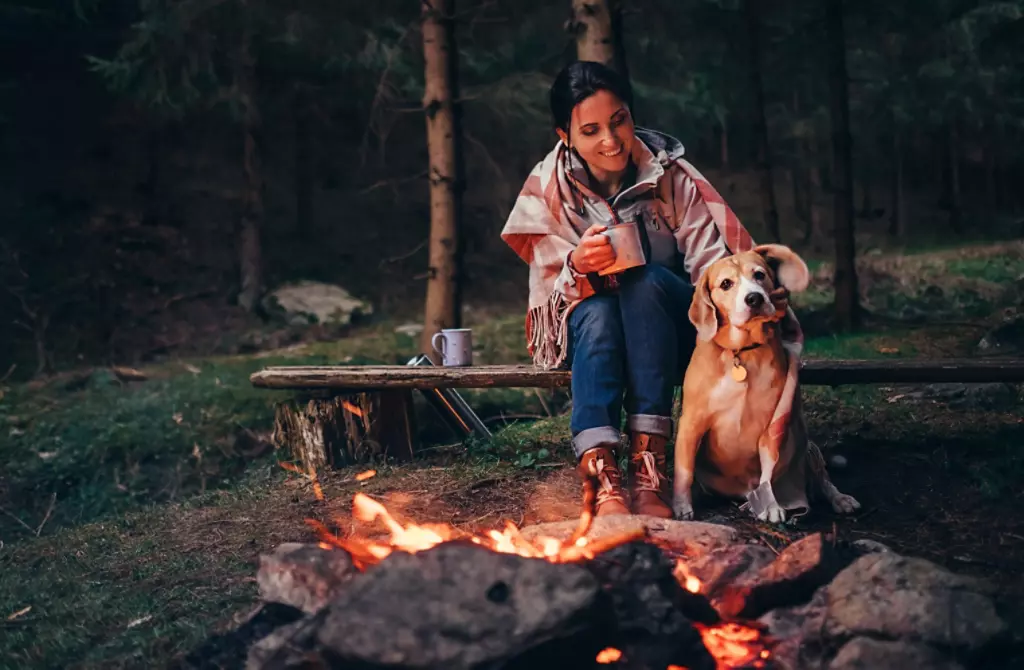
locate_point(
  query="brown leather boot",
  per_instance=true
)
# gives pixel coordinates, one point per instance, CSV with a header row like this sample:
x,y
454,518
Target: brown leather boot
x,y
599,463
648,484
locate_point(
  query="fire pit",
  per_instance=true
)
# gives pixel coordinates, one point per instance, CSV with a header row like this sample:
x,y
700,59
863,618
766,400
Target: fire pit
x,y
616,592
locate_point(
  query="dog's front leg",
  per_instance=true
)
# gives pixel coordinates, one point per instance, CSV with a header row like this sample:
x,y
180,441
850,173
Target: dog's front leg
x,y
762,500
688,436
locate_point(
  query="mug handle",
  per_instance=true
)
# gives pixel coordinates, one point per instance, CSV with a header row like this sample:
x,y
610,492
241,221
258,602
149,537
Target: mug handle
x,y
433,343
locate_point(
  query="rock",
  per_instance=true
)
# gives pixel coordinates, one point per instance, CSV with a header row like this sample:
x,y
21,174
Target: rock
x,y
866,546
884,595
733,564
305,576
410,329
863,653
794,631
791,579
692,538
652,613
306,302
285,648
228,650
1004,338
837,461
460,606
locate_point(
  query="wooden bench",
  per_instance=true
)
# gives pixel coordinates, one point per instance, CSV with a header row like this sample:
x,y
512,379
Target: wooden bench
x,y
351,414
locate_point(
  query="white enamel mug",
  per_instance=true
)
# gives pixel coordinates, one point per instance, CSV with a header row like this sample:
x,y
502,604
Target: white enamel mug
x,y
629,253
454,346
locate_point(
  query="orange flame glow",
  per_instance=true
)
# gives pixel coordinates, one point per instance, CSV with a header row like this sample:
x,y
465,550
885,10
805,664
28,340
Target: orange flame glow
x,y
352,409
367,474
683,576
732,644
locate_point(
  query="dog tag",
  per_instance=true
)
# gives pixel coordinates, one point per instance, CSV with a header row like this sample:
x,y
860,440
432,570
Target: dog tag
x,y
739,373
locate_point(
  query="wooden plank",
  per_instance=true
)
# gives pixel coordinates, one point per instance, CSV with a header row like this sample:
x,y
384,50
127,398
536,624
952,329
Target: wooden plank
x,y
821,372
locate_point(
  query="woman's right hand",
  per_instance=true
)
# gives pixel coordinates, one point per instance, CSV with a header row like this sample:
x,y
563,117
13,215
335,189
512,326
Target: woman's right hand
x,y
595,251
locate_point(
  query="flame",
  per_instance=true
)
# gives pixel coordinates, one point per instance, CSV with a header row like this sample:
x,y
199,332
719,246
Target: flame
x,y
734,645
352,409
683,576
412,538
363,476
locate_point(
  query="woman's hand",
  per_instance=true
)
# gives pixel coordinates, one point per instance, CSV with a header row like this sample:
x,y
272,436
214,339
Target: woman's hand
x,y
780,299
594,252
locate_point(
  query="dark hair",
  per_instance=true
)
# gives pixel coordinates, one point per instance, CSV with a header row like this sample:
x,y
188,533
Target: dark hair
x,y
580,80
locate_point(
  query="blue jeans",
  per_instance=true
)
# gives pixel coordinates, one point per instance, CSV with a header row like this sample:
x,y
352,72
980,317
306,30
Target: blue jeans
x,y
635,342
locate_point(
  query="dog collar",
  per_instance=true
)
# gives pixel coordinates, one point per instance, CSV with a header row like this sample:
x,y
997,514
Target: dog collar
x,y
739,373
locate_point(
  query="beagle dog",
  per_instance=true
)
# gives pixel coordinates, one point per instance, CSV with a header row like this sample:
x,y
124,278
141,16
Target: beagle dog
x,y
741,433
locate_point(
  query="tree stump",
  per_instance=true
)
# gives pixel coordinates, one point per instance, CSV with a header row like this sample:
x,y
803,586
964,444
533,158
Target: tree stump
x,y
341,430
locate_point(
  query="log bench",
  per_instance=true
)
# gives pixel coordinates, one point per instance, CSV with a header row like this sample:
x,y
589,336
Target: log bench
x,y
352,414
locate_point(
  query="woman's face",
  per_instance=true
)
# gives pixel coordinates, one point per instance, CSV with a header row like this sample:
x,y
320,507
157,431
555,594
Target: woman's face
x,y
601,131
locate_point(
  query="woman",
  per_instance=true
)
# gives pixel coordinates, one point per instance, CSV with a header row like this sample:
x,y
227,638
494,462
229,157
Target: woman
x,y
625,333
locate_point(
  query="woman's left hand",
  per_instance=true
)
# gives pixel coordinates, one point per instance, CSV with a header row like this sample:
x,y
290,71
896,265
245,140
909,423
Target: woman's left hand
x,y
780,298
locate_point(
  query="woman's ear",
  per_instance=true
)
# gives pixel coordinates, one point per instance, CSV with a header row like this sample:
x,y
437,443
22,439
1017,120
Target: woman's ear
x,y
703,314
562,135
790,270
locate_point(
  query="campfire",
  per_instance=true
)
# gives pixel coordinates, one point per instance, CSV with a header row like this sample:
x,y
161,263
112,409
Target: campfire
x,y
732,644
627,592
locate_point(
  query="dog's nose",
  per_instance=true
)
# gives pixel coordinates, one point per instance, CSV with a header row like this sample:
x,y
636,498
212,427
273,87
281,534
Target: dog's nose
x,y
754,300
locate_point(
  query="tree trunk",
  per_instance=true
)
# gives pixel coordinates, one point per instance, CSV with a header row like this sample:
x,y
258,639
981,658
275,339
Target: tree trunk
x,y
897,221
764,162
991,183
596,26
303,164
847,306
342,430
250,253
443,308
814,233
801,201
955,202
723,142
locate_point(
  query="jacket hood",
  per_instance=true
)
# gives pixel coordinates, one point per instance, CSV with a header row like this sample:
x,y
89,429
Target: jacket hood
x,y
664,147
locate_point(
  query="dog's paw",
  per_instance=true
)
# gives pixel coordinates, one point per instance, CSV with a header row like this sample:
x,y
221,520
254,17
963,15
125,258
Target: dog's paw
x,y
682,510
844,504
773,513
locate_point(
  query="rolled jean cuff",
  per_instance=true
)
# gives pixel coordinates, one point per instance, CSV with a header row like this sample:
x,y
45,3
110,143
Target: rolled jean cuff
x,y
587,439
650,424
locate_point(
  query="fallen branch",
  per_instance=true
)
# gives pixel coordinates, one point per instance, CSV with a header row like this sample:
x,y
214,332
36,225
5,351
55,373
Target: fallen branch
x,y
25,525
49,511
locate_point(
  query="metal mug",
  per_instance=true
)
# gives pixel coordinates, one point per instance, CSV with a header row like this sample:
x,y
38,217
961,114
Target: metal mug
x,y
629,251
456,348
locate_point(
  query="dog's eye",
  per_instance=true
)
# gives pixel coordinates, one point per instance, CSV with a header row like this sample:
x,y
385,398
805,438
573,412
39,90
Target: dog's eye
x,y
759,275
726,284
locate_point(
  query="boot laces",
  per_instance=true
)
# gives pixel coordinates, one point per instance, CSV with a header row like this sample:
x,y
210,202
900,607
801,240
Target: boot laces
x,y
607,491
647,476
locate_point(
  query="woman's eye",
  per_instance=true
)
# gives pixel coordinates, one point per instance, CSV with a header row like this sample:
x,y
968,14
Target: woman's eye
x,y
759,275
589,131
726,284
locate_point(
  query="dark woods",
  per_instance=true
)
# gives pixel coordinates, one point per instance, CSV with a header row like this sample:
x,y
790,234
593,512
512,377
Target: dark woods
x,y
166,162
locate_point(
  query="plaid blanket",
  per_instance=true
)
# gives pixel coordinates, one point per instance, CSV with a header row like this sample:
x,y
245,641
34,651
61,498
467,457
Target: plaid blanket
x,y
546,224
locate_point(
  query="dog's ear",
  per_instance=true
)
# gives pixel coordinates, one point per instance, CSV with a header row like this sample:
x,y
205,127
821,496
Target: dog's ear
x,y
703,314
790,270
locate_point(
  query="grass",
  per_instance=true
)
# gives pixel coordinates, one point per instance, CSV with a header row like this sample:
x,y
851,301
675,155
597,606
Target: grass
x,y
165,491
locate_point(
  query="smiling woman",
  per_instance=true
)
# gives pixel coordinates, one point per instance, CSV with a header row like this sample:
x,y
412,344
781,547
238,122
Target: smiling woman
x,y
623,330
